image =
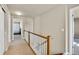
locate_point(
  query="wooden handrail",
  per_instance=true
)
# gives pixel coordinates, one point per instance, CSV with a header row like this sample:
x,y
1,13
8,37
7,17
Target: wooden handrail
x,y
47,37
37,34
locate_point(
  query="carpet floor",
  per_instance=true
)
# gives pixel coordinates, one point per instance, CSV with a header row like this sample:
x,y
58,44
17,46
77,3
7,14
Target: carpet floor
x,y
19,47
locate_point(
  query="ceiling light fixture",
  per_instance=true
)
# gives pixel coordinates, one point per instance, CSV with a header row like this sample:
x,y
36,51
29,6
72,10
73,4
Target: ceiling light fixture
x,y
18,13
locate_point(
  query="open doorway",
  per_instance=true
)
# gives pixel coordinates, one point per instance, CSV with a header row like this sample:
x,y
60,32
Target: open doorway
x,y
74,31
76,36
16,30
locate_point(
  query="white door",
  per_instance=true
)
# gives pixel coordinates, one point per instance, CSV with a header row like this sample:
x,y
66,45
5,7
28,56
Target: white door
x,y
6,39
1,31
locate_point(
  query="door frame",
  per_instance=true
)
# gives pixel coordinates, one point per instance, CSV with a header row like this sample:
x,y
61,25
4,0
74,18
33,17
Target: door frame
x,y
71,29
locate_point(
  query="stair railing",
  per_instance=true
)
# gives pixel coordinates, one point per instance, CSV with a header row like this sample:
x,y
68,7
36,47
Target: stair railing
x,y
44,44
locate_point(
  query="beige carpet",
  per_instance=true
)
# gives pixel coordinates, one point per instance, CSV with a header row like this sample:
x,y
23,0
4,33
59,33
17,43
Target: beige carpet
x,y
19,47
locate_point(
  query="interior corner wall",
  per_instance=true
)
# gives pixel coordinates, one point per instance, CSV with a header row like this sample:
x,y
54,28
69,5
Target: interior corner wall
x,y
53,24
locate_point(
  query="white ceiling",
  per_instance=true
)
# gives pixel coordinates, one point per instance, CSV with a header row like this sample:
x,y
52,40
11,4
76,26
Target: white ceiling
x,y
30,9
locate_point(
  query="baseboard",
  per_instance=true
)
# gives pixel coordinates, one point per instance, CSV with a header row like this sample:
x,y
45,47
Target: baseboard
x,y
58,54
6,49
66,53
2,53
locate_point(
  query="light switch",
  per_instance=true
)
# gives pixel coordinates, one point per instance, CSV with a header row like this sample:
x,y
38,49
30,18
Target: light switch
x,y
62,29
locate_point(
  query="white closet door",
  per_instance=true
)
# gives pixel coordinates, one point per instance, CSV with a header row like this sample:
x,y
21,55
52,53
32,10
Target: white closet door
x,y
6,39
1,31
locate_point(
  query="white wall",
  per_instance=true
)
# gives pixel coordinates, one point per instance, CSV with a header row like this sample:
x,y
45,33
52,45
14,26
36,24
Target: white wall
x,y
37,24
52,23
28,24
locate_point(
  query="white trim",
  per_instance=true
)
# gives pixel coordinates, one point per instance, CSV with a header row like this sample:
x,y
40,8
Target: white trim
x,y
70,32
71,28
66,30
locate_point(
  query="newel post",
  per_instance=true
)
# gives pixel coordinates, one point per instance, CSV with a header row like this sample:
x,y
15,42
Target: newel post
x,y
48,45
29,38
